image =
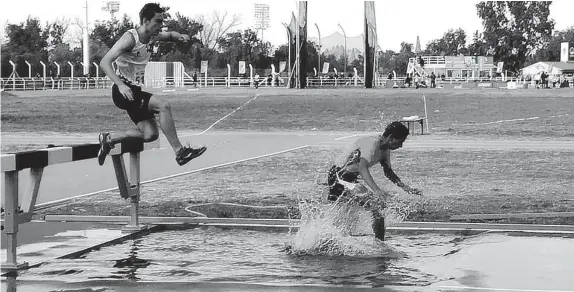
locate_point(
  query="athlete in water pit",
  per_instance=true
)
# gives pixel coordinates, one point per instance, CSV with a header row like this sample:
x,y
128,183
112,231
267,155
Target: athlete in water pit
x,y
354,164
131,53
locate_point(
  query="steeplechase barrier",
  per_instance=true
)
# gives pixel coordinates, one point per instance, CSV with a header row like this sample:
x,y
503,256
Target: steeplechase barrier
x,y
18,211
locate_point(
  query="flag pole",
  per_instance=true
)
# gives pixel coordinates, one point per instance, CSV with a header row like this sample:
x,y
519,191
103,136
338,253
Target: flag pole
x,y
297,85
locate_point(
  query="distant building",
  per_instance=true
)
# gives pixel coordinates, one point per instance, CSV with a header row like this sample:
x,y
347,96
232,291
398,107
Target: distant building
x,y
458,66
565,69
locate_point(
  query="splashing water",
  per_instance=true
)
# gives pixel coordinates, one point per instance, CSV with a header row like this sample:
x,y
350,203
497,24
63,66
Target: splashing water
x,y
344,228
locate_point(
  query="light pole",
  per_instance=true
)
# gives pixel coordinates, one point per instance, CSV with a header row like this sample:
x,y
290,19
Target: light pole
x,y
345,52
318,51
86,45
288,48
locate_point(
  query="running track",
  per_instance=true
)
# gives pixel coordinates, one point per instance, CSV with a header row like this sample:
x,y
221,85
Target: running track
x,y
63,181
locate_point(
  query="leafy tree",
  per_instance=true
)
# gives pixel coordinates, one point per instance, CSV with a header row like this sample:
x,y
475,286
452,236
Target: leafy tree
x,y
110,31
97,52
515,29
452,43
478,47
57,31
243,46
388,62
175,51
402,58
62,54
334,62
550,51
27,42
359,64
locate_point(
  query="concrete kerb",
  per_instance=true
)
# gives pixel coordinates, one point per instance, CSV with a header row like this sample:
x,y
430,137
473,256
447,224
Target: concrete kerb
x,y
159,224
153,286
402,227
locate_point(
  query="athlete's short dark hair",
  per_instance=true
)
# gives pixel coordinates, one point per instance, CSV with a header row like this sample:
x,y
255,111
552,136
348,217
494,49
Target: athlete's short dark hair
x,y
149,10
397,130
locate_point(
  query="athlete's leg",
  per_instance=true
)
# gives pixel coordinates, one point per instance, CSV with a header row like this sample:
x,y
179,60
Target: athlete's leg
x,y
182,154
149,130
166,122
378,225
118,137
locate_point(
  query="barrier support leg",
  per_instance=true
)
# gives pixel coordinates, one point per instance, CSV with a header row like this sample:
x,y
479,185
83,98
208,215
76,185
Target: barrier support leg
x,y
129,189
29,199
11,224
134,194
121,175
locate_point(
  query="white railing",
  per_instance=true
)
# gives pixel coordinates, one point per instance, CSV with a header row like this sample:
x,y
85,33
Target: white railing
x,y
434,60
20,84
54,83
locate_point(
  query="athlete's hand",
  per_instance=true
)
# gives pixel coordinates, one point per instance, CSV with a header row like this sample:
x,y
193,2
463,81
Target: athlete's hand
x,y
412,191
126,92
183,38
382,195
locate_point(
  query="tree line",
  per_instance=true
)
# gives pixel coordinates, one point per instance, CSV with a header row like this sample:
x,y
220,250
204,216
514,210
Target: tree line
x,y
517,33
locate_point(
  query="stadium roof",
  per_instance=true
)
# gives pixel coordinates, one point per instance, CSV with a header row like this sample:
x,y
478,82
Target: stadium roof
x,y
542,66
561,65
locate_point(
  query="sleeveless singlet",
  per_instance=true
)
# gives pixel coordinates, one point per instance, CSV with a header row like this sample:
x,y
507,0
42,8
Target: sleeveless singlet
x,y
131,65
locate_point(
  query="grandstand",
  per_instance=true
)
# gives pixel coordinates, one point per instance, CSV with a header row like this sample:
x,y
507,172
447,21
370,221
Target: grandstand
x,y
458,67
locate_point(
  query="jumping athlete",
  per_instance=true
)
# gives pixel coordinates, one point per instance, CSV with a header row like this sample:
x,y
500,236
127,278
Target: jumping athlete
x,y
131,54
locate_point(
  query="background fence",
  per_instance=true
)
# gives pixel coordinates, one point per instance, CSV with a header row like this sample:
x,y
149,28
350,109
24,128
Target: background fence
x,y
10,84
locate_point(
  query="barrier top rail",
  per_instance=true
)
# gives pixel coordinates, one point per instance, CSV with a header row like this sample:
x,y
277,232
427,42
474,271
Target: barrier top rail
x,y
61,154
19,211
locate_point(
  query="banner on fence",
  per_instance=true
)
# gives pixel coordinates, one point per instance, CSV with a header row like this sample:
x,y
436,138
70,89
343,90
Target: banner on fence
x,y
241,67
282,66
499,67
203,67
325,68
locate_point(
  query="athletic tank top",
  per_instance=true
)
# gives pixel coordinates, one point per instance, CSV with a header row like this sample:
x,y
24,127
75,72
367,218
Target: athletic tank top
x,y
131,65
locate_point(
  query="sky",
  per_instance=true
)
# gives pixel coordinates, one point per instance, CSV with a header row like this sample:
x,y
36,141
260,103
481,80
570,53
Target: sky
x,y
397,20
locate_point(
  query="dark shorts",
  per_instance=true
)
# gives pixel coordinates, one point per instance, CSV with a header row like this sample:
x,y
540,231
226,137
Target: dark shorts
x,y
335,188
138,108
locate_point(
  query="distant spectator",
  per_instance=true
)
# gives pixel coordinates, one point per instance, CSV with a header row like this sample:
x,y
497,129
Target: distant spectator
x,y
432,82
564,84
194,76
256,80
537,78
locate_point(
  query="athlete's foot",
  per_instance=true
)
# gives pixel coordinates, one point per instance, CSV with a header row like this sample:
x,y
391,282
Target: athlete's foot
x,y
185,154
105,147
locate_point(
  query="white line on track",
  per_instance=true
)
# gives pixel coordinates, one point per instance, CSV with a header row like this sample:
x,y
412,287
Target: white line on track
x,y
57,202
501,289
501,121
350,136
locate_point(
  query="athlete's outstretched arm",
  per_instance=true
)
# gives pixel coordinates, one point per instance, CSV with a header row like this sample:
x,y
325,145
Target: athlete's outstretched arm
x,y
172,36
392,176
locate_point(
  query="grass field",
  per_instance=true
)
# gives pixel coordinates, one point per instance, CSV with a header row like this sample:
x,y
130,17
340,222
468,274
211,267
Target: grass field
x,y
454,182
472,113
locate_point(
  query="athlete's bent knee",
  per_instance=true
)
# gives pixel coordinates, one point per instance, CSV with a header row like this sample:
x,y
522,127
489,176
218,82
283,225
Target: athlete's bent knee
x,y
164,106
150,137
